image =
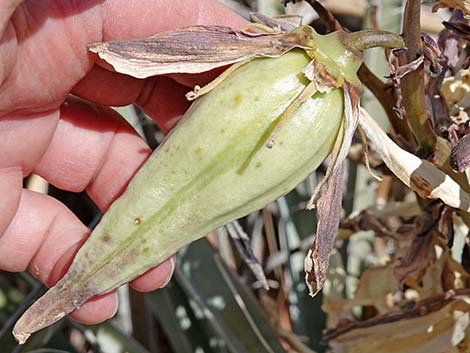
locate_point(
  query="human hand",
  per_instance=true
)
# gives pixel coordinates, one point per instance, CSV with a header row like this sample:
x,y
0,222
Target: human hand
x,y
72,143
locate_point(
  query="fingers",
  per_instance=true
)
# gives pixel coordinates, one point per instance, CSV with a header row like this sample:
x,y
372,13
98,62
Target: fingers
x,y
44,236
24,140
157,277
11,182
99,83
161,97
97,309
41,232
92,148
164,100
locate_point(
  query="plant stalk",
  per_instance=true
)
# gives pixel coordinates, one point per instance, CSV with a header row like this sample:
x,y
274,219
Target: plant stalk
x,y
387,99
412,87
371,38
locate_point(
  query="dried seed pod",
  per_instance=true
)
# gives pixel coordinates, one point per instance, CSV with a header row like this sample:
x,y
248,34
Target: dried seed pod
x,y
214,167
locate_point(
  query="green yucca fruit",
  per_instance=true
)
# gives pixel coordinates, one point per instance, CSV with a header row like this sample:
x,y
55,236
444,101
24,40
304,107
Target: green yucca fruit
x,y
214,167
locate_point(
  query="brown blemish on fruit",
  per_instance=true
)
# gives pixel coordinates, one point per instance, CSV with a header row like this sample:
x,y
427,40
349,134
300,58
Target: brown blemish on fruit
x,y
137,221
238,99
106,238
324,80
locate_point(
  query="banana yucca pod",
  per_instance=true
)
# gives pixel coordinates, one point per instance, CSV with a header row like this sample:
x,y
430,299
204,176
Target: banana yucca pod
x,y
253,134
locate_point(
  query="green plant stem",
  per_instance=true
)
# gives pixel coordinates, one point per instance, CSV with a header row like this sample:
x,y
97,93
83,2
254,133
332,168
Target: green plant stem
x,y
412,86
371,38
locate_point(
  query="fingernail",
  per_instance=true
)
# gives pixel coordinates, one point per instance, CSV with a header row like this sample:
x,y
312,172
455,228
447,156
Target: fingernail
x,y
172,261
116,306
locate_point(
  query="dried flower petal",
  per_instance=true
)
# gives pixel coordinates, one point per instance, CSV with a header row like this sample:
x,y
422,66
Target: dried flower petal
x,y
420,175
195,49
460,155
329,215
463,5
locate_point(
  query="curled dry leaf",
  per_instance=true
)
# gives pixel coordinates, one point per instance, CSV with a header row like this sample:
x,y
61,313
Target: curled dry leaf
x,y
431,274
417,258
420,175
460,155
463,5
330,190
375,286
282,23
456,92
352,95
329,215
195,49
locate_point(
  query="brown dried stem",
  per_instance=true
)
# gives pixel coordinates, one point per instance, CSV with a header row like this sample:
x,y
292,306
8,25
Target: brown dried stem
x,y
387,99
413,89
325,15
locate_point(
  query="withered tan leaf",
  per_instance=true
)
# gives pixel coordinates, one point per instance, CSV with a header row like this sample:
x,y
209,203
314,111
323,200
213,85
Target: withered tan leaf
x,y
435,325
329,215
420,175
195,49
460,155
351,117
330,190
282,23
373,289
419,256
463,5
456,89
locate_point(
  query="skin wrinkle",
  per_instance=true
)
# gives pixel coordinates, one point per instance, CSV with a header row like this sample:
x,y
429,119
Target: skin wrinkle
x,y
27,169
95,86
79,62
75,26
75,110
8,43
11,197
147,91
16,258
103,161
6,9
33,268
